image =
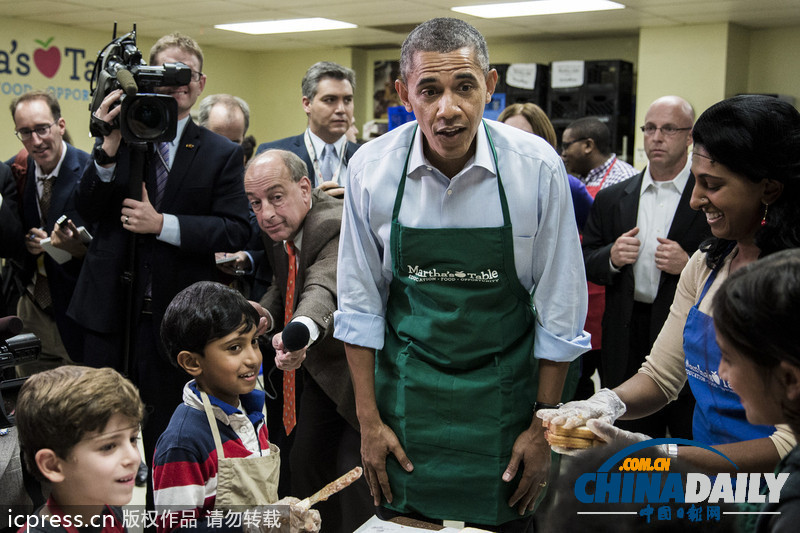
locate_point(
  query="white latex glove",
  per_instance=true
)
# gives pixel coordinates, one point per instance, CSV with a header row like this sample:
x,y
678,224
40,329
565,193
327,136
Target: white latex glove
x,y
603,405
299,519
612,434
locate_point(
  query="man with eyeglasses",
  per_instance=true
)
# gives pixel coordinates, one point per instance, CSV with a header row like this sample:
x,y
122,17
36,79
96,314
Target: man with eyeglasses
x,y
192,204
586,151
639,236
53,172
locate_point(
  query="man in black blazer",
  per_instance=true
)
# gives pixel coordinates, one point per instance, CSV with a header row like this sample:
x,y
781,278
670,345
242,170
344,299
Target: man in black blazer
x,y
53,171
11,243
201,210
328,102
638,238
325,443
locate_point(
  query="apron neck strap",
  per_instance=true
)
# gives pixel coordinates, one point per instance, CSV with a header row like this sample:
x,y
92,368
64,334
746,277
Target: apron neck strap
x,y
212,421
401,187
713,275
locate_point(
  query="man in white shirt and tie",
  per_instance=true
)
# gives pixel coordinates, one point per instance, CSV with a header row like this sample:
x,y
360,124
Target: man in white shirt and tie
x,y
638,238
328,103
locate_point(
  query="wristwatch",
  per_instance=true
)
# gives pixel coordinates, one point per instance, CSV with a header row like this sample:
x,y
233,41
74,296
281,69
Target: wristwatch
x,y
542,405
101,157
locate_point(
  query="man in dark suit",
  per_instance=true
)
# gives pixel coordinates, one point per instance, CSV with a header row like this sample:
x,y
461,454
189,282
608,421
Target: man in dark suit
x,y
12,245
53,171
304,222
11,242
638,238
191,205
323,147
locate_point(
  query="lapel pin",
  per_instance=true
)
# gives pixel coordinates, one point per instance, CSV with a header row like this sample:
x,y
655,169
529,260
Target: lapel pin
x,y
189,146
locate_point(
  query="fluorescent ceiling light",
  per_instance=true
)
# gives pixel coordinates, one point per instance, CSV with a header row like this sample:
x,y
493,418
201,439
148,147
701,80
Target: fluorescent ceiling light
x,y
286,26
540,7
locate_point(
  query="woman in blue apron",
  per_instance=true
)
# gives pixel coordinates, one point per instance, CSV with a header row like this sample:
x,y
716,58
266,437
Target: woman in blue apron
x,y
746,162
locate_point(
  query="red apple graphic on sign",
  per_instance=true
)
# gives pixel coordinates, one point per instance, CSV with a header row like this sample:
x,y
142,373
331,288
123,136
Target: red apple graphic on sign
x,y
47,61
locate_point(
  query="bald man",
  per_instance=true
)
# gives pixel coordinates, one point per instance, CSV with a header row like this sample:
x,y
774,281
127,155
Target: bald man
x,y
226,115
639,236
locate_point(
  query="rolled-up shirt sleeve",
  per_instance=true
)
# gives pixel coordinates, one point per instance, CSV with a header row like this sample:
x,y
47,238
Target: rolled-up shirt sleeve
x,y
361,287
560,293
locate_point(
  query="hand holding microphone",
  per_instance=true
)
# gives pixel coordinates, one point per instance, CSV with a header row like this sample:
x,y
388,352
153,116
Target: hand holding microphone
x,y
290,346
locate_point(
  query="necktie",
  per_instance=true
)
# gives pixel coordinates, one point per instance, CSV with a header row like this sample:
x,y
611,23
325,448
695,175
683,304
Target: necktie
x,y
289,412
328,162
44,199
162,171
41,288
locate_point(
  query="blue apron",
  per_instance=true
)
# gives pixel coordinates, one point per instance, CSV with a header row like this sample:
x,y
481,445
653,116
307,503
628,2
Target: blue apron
x,y
719,417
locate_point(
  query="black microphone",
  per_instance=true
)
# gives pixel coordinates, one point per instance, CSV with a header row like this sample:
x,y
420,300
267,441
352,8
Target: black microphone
x,y
126,82
11,326
295,336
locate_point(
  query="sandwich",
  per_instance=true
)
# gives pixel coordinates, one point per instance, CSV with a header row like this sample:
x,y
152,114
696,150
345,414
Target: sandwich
x,y
579,438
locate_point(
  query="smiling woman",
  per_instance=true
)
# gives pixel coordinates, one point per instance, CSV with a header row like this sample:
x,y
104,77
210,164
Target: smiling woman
x,y
747,168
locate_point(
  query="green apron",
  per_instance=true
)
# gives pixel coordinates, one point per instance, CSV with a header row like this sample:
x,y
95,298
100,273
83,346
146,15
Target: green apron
x,y
456,379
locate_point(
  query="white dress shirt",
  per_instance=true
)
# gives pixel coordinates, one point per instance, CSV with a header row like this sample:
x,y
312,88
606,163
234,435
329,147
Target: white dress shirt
x,y
658,201
547,253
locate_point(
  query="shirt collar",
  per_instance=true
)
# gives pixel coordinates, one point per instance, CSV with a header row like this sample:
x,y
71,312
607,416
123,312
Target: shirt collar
x,y
252,403
319,144
298,242
179,131
482,157
601,170
678,182
40,173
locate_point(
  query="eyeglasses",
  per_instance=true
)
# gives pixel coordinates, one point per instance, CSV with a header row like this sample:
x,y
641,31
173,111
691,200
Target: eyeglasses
x,y
196,75
565,145
42,131
669,131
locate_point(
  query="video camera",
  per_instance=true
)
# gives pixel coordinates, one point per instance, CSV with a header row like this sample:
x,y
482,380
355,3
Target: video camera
x,y
145,116
14,350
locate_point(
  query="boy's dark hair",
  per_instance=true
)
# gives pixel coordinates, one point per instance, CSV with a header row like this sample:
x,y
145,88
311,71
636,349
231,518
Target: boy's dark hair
x,y
57,408
201,313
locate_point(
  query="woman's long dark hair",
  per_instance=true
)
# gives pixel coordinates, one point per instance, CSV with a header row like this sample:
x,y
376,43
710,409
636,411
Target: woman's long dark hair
x,y
756,311
759,138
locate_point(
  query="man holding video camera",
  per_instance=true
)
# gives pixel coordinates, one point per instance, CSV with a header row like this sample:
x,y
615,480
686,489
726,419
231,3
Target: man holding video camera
x,y
191,204
53,171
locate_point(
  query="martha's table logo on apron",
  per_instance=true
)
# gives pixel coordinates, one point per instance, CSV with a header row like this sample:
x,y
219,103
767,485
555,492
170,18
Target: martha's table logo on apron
x,y
710,378
486,276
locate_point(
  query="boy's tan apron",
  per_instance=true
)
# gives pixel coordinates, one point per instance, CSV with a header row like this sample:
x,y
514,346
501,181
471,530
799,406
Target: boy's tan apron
x,y
243,481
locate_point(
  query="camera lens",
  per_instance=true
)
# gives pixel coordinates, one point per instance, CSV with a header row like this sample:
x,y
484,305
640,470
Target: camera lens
x,y
147,118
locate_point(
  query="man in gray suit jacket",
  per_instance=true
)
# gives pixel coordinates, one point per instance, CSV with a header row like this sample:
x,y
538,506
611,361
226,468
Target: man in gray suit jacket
x,y
638,238
325,443
323,147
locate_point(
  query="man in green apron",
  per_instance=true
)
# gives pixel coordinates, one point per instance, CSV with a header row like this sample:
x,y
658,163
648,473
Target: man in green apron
x,y
461,294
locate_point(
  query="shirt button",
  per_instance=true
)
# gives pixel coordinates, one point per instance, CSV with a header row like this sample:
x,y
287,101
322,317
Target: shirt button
x,y
449,192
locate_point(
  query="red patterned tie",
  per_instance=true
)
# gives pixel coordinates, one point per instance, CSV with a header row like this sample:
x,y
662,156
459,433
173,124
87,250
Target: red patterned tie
x,y
289,416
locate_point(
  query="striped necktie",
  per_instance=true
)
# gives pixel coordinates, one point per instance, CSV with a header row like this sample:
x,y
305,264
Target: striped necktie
x,y
162,171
